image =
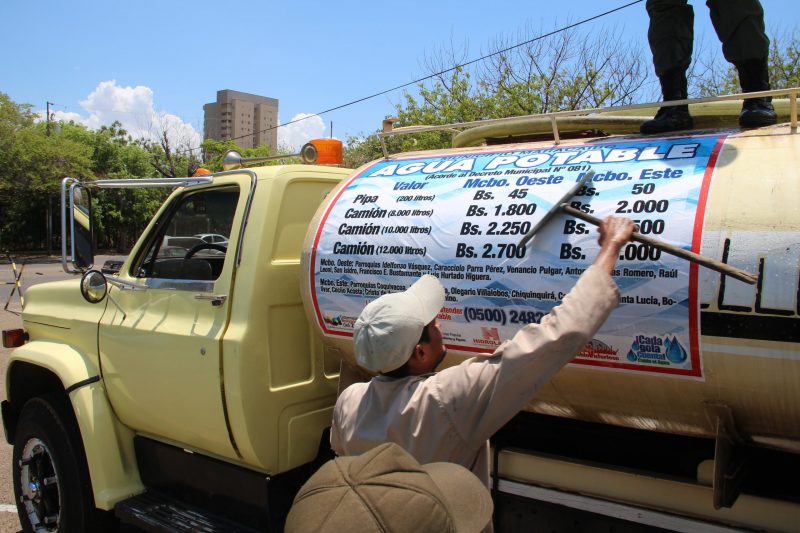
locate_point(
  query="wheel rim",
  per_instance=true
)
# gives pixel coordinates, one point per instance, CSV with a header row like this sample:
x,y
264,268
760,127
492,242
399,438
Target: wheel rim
x,y
41,495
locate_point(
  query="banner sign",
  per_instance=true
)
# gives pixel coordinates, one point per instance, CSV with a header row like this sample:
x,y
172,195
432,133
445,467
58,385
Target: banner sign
x,y
461,216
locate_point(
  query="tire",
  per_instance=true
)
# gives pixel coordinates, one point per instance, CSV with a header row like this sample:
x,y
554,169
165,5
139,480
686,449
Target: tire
x,y
51,480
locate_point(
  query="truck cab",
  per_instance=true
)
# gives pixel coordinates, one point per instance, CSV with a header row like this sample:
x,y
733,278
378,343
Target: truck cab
x,y
190,371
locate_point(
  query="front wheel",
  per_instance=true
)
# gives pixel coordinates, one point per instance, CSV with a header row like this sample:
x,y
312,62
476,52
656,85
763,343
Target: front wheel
x,y
51,480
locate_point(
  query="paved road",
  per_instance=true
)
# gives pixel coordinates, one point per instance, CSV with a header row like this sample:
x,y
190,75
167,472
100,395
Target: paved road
x,y
39,270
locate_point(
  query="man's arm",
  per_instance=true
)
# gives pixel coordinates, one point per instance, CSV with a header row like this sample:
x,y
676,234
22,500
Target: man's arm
x,y
483,394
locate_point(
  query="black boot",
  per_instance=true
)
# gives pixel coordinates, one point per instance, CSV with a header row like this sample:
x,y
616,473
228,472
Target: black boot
x,y
674,118
756,112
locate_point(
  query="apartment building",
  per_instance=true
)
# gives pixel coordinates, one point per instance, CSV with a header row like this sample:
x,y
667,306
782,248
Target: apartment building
x,y
248,118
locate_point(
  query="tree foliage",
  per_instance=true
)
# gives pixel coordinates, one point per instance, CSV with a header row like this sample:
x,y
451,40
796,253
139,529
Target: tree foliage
x,y
33,161
713,75
214,152
569,70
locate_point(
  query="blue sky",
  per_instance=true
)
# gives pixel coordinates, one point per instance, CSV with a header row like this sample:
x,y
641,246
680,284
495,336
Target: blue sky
x,y
148,63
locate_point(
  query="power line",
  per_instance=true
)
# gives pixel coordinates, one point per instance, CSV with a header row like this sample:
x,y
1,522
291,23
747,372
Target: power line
x,y
455,67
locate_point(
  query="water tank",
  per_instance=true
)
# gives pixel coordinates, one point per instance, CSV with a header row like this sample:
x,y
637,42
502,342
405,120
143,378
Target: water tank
x,y
683,340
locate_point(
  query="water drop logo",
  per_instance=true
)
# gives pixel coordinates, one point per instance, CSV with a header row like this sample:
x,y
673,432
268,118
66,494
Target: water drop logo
x,y
633,353
656,350
675,352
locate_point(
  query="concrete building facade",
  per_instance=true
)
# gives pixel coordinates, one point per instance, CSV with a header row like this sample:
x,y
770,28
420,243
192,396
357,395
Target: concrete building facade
x,y
248,118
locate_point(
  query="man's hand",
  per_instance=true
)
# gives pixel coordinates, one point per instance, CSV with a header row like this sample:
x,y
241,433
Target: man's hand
x,y
614,233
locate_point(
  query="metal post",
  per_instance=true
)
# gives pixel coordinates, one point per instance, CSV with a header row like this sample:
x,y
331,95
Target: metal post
x,y
49,224
554,125
17,283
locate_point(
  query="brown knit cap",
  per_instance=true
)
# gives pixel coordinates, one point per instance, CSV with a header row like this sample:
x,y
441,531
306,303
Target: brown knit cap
x,y
387,490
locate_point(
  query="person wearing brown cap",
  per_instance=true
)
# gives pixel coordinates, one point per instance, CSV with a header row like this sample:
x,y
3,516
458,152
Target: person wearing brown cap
x,y
387,490
450,415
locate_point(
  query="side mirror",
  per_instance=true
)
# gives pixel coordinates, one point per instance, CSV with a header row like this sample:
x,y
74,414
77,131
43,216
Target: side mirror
x,y
94,286
81,229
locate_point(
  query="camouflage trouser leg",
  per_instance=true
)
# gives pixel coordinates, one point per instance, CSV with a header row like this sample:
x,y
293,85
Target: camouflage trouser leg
x,y
670,34
739,25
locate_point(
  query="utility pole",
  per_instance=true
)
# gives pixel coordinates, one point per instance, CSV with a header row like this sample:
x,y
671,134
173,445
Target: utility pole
x,y
49,210
48,116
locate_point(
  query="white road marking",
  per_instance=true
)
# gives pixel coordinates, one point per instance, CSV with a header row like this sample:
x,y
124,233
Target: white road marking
x,y
7,508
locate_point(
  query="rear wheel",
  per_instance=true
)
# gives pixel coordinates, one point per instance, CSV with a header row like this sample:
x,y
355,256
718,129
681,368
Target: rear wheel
x,y
51,480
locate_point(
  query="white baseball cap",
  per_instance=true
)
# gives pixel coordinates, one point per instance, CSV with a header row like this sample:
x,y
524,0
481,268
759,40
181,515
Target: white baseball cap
x,y
389,328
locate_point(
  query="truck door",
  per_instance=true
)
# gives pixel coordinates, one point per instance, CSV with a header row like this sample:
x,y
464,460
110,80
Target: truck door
x,y
160,347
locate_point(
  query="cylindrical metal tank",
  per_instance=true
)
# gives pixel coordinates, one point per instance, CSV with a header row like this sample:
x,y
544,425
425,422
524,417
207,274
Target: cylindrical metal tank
x,y
684,340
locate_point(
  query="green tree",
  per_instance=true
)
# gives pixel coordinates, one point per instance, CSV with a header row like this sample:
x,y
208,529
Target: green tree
x,y
568,70
576,69
711,75
784,61
214,151
13,118
121,214
171,160
34,163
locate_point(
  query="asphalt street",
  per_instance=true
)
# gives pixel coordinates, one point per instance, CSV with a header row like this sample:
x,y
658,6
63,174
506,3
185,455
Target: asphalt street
x,y
35,271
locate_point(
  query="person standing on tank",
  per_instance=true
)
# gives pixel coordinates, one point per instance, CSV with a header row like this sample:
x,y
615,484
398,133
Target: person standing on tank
x,y
739,25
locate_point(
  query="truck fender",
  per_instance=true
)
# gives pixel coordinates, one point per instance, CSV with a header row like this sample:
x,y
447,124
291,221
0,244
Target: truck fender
x,y
108,444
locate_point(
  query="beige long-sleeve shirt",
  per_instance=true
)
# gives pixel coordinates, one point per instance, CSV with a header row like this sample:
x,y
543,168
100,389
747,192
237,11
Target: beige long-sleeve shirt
x,y
449,416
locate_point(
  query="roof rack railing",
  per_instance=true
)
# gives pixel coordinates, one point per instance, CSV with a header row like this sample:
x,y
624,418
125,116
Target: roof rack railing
x,y
389,130
148,183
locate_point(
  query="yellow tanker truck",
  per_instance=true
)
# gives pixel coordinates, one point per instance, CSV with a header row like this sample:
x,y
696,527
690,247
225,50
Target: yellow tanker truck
x,y
193,391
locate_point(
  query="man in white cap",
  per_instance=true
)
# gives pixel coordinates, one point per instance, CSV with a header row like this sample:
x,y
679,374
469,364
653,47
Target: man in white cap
x,y
450,415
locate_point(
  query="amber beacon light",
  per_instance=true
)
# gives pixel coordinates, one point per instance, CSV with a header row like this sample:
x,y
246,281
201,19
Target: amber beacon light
x,y
329,151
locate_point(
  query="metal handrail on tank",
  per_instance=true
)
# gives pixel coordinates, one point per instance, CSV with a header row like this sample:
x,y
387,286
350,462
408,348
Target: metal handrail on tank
x,y
606,112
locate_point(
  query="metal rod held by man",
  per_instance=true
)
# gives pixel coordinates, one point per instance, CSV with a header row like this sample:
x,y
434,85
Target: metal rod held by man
x,y
713,264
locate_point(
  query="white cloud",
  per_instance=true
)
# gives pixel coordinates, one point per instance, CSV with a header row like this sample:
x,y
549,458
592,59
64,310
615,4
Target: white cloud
x,y
295,135
133,107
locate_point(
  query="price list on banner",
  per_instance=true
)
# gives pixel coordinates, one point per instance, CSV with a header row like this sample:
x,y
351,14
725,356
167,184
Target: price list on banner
x,y
461,216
